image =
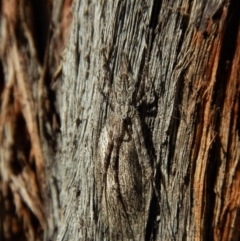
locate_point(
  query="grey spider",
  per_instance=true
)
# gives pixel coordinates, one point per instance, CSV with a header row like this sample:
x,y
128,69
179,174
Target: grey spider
x,y
124,123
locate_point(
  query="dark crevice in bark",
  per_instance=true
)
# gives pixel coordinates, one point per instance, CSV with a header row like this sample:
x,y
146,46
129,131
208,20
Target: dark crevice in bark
x,y
119,25
41,18
184,25
151,225
225,61
212,174
230,35
155,13
1,78
226,57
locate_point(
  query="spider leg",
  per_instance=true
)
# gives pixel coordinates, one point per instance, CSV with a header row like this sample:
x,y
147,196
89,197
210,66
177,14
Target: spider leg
x,y
106,69
140,145
116,187
143,156
106,162
107,98
143,93
146,83
144,161
140,93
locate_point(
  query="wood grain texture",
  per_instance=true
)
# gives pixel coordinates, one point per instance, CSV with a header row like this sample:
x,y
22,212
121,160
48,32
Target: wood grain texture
x,y
184,131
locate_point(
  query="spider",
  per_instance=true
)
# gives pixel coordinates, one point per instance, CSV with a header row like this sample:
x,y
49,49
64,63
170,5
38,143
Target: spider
x,y
124,124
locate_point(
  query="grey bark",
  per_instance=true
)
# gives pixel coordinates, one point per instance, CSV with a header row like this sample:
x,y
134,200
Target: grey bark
x,y
184,41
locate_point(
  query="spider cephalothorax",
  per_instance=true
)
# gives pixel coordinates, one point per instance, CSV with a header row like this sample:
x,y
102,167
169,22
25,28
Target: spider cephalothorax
x,y
123,93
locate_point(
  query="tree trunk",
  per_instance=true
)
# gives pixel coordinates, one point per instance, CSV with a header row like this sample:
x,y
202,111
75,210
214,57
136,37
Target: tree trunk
x,y
148,100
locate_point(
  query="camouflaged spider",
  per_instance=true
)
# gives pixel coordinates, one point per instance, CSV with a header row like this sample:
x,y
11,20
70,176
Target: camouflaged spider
x,y
124,123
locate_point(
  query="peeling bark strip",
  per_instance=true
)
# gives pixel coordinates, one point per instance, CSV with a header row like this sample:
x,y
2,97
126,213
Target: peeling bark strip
x,y
28,206
124,171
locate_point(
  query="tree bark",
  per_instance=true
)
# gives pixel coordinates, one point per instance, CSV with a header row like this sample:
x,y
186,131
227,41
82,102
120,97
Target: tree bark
x,y
31,43
170,171
190,129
